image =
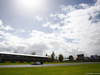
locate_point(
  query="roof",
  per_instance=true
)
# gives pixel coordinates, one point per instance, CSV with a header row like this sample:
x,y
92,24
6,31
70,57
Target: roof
x,y
23,54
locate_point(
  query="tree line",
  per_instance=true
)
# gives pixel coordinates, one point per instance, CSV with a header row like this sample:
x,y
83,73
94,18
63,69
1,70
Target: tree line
x,y
60,57
54,58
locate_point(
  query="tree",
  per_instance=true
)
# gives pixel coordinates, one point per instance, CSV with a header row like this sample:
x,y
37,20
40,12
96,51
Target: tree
x,y
46,54
52,56
70,58
60,57
96,57
15,52
33,53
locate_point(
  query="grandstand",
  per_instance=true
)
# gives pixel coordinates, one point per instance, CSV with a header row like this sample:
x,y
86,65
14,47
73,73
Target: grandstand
x,y
6,57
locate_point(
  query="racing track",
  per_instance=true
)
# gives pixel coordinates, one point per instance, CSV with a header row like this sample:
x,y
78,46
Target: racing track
x,y
46,65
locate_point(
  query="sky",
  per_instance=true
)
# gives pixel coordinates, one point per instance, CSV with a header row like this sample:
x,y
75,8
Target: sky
x,y
67,27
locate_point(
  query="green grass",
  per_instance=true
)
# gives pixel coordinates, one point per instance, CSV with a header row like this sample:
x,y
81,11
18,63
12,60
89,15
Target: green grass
x,y
59,70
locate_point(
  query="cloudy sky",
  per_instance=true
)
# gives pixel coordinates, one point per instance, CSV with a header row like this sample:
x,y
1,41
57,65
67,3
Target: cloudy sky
x,y
69,27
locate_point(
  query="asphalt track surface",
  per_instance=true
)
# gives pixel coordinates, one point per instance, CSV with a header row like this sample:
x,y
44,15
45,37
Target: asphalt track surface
x,y
47,65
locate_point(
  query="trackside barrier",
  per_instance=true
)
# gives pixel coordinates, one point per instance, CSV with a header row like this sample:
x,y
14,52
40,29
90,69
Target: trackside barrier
x,y
7,61
32,62
25,61
12,61
17,62
21,62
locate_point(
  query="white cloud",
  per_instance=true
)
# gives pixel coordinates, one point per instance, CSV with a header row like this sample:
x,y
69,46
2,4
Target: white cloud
x,y
1,23
83,28
84,5
51,25
47,24
38,18
98,2
68,8
7,28
22,30
82,25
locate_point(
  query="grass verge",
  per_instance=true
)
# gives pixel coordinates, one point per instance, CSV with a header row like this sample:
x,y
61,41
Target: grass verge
x,y
59,70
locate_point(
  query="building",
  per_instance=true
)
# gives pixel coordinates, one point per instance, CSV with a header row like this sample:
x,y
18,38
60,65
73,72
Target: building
x,y
6,57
